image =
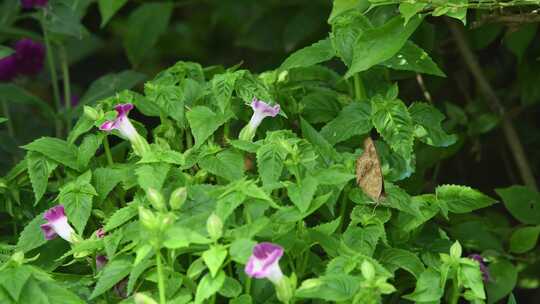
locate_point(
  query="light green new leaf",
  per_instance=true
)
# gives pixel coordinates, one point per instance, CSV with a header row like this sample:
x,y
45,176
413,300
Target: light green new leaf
x,y
56,149
180,237
214,258
393,121
354,119
2,120
409,10
152,175
204,122
76,196
522,202
113,273
471,276
318,52
39,169
462,199
412,58
146,24
270,163
334,287
107,9
121,216
428,288
428,127
524,239
380,44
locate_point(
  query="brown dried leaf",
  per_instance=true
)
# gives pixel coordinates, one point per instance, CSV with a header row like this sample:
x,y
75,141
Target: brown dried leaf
x,y
368,171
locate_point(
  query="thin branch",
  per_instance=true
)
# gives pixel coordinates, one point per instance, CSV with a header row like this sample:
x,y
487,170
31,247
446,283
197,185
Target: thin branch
x,y
496,106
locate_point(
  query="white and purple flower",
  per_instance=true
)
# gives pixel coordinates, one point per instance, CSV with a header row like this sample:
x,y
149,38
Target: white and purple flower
x,y
260,110
57,224
264,262
121,123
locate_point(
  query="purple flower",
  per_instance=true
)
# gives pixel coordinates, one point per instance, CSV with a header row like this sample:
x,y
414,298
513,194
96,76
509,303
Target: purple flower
x,y
260,110
121,123
120,289
101,261
33,3
100,233
57,224
30,56
264,262
483,267
8,68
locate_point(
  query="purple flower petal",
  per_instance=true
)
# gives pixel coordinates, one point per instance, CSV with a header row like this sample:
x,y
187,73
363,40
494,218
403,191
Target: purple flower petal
x,y
107,126
100,233
55,213
264,262
30,56
123,109
48,231
8,68
58,222
101,261
262,107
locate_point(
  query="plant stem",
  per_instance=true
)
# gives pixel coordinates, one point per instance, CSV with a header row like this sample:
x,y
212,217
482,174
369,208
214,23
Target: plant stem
x,y
67,87
161,279
343,206
496,106
54,78
359,90
108,150
9,123
454,296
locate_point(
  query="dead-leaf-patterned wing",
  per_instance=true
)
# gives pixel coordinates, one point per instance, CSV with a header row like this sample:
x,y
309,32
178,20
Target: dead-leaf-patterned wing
x,y
368,171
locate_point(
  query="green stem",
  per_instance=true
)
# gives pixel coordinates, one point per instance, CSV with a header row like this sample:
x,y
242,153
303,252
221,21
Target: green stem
x,y
344,205
189,139
161,279
108,150
359,90
9,123
54,77
67,87
454,296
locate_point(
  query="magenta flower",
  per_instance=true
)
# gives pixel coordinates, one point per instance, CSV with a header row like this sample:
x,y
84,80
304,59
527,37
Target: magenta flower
x,y
121,123
260,110
483,267
264,262
33,3
57,224
101,261
100,233
30,56
8,68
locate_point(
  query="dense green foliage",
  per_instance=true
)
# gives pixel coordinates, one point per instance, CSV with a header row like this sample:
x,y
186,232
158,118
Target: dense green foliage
x,y
177,204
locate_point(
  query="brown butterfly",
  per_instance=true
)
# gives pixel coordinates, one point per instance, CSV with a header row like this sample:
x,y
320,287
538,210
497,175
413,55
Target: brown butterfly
x,y
368,171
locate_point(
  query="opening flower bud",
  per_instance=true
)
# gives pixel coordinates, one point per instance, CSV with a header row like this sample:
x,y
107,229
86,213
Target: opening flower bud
x,y
367,269
214,226
156,199
178,198
148,219
455,250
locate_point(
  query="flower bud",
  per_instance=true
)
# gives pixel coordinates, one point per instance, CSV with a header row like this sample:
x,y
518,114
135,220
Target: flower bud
x,y
178,198
214,226
368,271
141,298
156,199
284,290
148,219
18,257
455,250
91,113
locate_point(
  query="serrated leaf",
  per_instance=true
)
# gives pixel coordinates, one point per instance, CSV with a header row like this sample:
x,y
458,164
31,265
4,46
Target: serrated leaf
x,y
32,237
204,122
76,197
334,287
13,280
462,199
223,87
301,193
105,179
39,170
428,287
121,216
270,163
412,58
318,52
214,258
88,149
393,258
56,149
409,10
428,129
393,121
113,273
228,164
346,29
354,119
152,175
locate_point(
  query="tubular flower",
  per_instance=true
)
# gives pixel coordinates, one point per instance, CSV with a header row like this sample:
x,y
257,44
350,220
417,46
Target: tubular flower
x,y
101,261
29,56
57,224
483,267
100,233
33,3
8,68
126,129
260,111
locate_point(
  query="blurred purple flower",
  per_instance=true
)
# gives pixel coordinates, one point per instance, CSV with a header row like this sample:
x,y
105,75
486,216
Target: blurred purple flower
x,y
29,56
33,3
483,267
121,123
264,262
8,68
101,260
57,224
100,233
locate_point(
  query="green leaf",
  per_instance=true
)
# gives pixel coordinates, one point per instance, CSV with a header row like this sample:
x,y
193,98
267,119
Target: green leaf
x,y
241,250
334,287
503,280
409,10
320,106
518,41
354,119
11,93
204,122
107,9
32,237
2,120
208,286
511,299
249,87
323,147
333,176
462,199
121,216
380,44
44,291
56,149
412,58
243,299
223,87
228,164
13,280
524,239
458,10
394,258
523,203
340,6
302,192
39,170
393,121
109,84
113,273
5,51
146,24
346,28
270,159
231,288
83,125
428,288
181,237
76,197
214,258
428,129
88,148
152,175
471,276
63,19
318,52
105,179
